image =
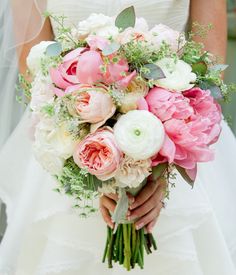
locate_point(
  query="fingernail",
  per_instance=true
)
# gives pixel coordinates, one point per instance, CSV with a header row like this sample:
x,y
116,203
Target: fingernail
x,y
132,206
138,226
131,200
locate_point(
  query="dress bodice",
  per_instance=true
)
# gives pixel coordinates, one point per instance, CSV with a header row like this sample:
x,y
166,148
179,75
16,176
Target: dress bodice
x,y
174,13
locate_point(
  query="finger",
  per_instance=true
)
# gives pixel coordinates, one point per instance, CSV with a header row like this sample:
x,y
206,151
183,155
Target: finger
x,y
150,226
144,194
148,205
112,196
150,216
108,203
106,216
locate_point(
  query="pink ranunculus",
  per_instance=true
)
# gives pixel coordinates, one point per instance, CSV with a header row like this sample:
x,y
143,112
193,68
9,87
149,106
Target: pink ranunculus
x,y
206,106
65,74
116,71
92,104
165,104
162,33
99,154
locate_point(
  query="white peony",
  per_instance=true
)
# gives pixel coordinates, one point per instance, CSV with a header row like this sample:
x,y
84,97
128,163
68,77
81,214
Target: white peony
x,y
41,92
178,75
97,24
52,141
35,55
139,134
133,172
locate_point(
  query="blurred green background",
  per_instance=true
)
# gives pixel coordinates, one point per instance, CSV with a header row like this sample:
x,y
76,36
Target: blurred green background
x,y
230,74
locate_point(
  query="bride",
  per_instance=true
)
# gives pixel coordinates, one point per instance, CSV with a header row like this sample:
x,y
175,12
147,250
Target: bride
x,y
195,231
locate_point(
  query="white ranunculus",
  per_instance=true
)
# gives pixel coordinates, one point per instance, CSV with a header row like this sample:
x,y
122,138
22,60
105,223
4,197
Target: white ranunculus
x,y
35,55
178,75
41,92
133,172
139,134
97,24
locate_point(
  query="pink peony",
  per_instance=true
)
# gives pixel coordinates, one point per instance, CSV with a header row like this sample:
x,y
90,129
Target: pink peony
x,y
166,105
93,104
99,154
191,121
65,74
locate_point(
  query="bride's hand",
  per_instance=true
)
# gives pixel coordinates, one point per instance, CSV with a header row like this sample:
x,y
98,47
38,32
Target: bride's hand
x,y
145,207
147,204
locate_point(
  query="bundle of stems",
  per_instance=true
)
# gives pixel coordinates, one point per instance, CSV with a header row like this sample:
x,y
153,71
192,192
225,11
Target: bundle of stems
x,y
126,246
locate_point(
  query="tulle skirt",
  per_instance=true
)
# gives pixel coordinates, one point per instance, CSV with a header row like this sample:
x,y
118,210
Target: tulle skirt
x,y
195,233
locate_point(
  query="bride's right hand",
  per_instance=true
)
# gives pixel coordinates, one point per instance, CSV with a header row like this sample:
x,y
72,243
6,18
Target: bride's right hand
x,y
107,204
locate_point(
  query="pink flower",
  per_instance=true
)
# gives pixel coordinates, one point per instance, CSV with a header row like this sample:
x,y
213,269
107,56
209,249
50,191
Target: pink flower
x,y
205,106
99,154
93,104
162,33
89,67
191,121
65,74
97,42
166,105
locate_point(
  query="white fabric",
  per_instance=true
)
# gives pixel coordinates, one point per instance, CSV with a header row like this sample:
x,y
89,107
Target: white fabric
x,y
195,233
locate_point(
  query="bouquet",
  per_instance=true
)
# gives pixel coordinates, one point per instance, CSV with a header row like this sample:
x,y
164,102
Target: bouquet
x,y
114,103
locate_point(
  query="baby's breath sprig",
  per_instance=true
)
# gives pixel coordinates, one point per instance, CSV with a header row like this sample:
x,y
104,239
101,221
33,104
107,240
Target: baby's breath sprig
x,y
23,87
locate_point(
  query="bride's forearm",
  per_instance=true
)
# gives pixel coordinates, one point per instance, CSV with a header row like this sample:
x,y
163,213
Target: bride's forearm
x,y
214,12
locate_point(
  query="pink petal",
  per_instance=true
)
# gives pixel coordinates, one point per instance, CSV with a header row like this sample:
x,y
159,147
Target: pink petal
x,y
192,173
124,82
142,104
73,55
58,92
96,42
58,79
168,149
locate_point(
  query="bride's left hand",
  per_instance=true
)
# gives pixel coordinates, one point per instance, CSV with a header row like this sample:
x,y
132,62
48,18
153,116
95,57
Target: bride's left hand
x,y
147,204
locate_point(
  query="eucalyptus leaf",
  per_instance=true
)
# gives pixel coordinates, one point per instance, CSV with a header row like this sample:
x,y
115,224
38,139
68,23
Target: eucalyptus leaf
x,y
54,49
154,72
111,48
219,67
184,175
159,170
199,68
122,206
126,18
216,92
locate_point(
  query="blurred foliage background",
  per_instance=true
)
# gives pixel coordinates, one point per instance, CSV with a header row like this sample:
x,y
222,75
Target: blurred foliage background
x,y
230,74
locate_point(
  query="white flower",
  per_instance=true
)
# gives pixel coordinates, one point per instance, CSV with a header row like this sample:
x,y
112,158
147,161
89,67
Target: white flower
x,y
41,92
178,75
133,172
107,188
160,33
53,144
97,24
129,98
139,134
35,55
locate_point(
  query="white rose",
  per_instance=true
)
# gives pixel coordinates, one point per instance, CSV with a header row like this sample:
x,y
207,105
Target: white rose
x,y
41,92
133,172
55,138
98,24
178,75
160,33
49,160
35,55
139,134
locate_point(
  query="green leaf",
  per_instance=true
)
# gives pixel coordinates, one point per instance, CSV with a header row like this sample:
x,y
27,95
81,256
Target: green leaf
x,y
153,72
54,49
111,48
126,18
159,170
184,175
219,67
199,68
215,90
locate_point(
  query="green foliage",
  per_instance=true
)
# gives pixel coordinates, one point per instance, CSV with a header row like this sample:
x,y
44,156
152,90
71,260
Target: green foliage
x,y
48,110
79,184
24,89
126,18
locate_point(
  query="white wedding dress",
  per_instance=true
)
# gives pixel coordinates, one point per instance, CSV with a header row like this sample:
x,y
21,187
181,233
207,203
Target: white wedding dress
x,y
196,233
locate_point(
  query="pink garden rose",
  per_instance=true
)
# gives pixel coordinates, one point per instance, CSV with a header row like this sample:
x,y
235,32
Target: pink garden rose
x,y
65,74
191,121
99,154
93,104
